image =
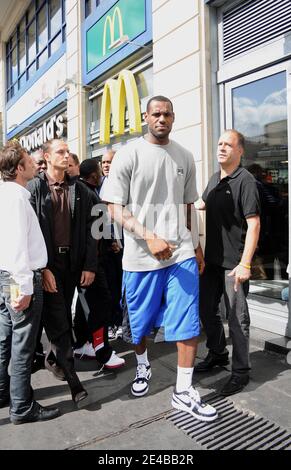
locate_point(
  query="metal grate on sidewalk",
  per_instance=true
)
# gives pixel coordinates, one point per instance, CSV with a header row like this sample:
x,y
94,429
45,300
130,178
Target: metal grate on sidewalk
x,y
233,430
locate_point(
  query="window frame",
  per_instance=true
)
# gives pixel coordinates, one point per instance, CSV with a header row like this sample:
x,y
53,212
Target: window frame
x,y
90,6
13,87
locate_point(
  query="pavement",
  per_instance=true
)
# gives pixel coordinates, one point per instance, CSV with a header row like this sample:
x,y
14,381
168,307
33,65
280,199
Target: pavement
x,y
111,419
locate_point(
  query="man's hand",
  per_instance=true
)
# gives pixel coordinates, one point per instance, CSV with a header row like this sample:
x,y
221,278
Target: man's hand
x,y
241,274
160,249
87,277
21,303
115,247
49,282
200,259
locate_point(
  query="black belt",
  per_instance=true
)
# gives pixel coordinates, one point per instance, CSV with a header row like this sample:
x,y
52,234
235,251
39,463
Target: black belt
x,y
63,249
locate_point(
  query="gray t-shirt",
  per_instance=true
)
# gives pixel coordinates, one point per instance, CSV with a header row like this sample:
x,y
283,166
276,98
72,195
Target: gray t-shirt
x,y
154,182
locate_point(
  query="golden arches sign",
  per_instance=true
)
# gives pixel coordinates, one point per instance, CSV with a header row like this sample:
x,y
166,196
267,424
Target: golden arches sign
x,y
115,95
110,22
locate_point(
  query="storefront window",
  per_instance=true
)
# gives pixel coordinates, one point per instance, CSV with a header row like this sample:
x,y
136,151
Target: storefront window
x,y
31,12
42,59
41,17
42,29
31,42
88,7
14,65
21,52
32,70
13,41
22,26
56,43
260,113
55,16
21,81
91,5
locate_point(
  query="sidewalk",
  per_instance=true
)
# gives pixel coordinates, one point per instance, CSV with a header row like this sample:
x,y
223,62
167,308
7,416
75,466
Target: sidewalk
x,y
113,419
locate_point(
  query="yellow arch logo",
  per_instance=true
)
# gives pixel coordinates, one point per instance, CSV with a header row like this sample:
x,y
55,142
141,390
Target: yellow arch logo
x,y
115,95
110,22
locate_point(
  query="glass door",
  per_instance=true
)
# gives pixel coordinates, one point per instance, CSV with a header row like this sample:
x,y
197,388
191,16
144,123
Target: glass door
x,y
256,105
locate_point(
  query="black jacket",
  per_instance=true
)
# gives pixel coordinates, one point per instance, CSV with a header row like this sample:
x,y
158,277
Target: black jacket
x,y
83,246
104,245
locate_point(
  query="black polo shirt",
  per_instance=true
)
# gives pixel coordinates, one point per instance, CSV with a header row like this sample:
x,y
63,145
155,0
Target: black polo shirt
x,y
229,202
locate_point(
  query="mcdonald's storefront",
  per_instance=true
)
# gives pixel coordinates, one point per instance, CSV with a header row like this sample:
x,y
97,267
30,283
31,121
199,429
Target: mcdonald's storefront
x,y
117,69
214,82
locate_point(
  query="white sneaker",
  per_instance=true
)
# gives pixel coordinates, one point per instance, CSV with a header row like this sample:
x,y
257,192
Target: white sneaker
x,y
140,384
85,352
111,333
114,362
190,402
118,332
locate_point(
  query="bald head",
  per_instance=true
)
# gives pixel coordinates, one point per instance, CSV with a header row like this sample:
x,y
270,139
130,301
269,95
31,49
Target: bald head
x,y
240,137
106,161
230,149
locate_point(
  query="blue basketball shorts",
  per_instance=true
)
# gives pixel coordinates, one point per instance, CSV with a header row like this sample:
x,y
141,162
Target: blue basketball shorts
x,y
167,297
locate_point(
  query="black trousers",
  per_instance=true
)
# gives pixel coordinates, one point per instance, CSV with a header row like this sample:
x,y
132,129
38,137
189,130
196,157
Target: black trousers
x,y
57,319
213,284
112,265
99,301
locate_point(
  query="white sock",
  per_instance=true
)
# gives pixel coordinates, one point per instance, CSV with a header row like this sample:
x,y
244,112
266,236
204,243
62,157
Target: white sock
x,y
184,378
142,358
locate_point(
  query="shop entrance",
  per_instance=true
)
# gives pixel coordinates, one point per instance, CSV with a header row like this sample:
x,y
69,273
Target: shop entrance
x,y
257,106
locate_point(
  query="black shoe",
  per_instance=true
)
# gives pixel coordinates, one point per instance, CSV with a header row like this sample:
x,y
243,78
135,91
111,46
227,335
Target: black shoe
x,y
4,402
39,413
79,396
234,385
211,361
55,369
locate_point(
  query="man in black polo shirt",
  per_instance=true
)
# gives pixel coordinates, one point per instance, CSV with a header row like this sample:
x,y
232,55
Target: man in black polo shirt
x,y
232,208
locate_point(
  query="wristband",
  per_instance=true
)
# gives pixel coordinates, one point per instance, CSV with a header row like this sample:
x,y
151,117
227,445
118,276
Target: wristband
x,y
247,266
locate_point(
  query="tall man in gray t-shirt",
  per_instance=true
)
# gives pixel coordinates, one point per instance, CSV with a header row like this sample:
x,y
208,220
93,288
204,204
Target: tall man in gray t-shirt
x,y
155,178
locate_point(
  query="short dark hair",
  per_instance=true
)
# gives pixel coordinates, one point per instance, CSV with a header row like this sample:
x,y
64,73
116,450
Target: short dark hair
x,y
88,166
11,156
159,98
240,137
75,158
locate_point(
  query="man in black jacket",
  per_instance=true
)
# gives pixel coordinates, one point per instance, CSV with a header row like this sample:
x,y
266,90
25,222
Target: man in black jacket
x,y
63,208
92,334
